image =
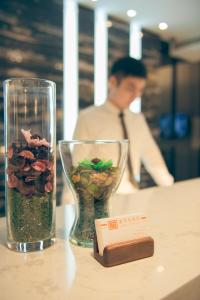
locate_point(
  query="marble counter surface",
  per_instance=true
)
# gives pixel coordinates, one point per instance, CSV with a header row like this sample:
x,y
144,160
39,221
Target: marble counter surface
x,y
65,271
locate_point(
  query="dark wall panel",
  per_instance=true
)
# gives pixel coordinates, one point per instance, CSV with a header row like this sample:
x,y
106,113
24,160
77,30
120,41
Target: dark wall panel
x,y
31,43
118,39
86,56
172,87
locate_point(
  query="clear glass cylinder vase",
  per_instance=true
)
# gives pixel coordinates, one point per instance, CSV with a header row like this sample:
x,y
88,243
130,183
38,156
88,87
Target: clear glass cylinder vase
x,y
30,149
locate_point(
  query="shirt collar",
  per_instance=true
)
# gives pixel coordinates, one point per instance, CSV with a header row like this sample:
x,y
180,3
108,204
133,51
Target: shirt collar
x,y
114,109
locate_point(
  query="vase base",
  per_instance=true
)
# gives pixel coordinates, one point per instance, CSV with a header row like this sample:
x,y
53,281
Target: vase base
x,y
30,246
81,243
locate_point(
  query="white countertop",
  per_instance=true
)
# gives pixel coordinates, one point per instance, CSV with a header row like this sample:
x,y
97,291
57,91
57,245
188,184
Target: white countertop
x,y
65,271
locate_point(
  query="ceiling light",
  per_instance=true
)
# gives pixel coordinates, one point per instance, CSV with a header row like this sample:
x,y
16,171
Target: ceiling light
x,y
163,26
94,0
131,13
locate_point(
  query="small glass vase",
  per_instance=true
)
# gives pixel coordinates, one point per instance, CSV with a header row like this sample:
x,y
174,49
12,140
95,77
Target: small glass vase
x,y
30,140
93,170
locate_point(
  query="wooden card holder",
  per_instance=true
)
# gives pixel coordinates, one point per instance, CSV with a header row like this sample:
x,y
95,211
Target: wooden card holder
x,y
124,252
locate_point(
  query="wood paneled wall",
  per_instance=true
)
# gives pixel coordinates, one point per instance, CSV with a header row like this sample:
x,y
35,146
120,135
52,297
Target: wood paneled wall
x,y
31,45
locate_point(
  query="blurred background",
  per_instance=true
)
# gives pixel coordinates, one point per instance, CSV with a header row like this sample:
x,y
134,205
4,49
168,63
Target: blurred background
x,y
74,43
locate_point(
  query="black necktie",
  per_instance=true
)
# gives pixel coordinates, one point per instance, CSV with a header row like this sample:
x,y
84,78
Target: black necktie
x,y
125,136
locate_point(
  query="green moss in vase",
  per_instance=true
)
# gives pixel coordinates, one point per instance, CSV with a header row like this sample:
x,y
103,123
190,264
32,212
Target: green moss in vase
x,y
93,181
31,218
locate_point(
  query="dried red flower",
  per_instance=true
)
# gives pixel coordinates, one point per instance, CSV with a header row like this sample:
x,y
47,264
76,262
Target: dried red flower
x,y
12,181
10,152
36,142
19,162
30,178
48,187
11,169
39,166
26,168
27,154
49,164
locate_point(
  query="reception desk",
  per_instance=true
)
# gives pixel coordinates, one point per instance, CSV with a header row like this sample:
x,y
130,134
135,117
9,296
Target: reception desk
x,y
65,271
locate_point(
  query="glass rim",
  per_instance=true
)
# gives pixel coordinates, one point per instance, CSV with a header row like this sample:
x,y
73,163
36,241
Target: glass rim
x,y
104,141
28,79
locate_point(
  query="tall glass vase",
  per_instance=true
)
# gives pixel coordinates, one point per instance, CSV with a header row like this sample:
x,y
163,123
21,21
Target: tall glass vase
x,y
30,140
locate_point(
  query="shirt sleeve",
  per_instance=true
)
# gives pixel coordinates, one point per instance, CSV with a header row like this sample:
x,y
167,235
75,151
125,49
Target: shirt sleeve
x,y
152,158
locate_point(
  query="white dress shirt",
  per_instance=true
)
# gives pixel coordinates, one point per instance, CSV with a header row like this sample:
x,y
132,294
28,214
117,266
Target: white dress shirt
x,y
103,122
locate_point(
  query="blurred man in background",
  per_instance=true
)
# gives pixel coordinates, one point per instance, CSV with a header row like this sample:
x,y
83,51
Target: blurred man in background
x,y
114,120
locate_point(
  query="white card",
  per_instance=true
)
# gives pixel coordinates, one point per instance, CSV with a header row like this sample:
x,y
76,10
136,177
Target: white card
x,y
120,229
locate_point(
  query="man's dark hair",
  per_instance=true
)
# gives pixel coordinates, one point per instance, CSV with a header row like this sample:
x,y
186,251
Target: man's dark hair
x,y
128,66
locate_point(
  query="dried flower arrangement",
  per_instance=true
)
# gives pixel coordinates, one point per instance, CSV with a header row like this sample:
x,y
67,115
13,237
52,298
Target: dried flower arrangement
x,y
30,180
